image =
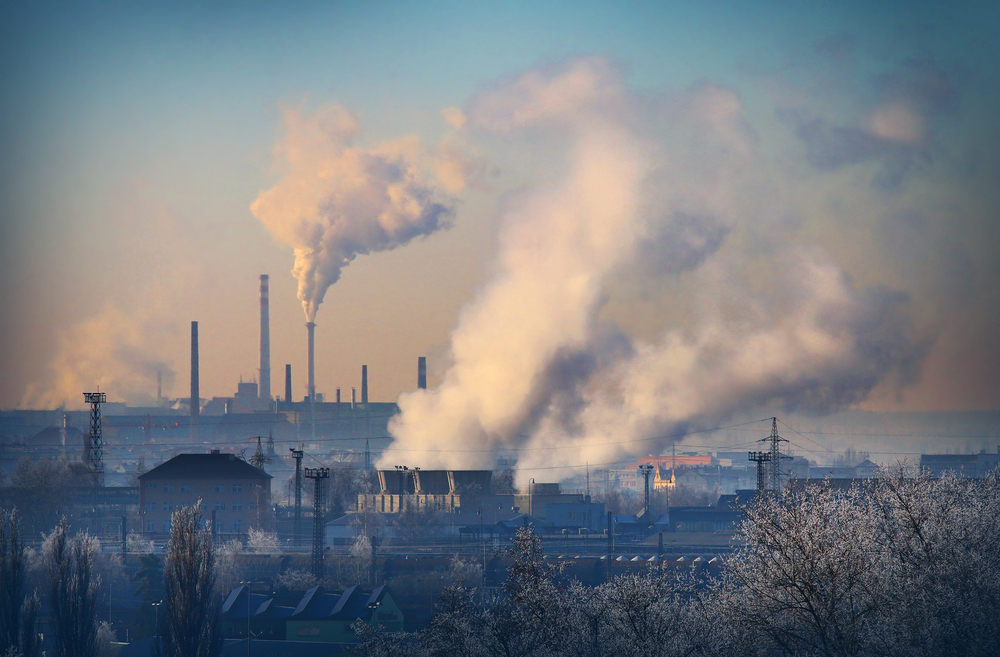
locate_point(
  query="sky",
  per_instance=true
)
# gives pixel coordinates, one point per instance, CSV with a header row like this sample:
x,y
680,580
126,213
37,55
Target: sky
x,y
587,215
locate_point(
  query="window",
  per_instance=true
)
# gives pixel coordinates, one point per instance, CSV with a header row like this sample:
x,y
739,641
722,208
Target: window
x,y
252,506
237,488
220,488
150,526
184,488
168,488
150,485
150,506
220,506
220,527
237,506
237,526
167,506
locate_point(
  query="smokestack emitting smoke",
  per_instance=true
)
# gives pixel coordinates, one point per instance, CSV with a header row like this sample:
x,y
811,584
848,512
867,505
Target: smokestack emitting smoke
x,y
195,392
265,342
311,363
649,186
288,382
338,201
422,373
364,384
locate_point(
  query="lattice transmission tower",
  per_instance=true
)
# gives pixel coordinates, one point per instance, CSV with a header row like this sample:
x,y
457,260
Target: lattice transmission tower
x,y
93,449
319,476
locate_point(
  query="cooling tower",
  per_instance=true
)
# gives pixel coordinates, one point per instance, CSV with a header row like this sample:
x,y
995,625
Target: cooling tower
x,y
265,342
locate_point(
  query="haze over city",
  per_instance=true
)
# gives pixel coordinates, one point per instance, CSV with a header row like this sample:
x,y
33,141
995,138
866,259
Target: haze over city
x,y
599,222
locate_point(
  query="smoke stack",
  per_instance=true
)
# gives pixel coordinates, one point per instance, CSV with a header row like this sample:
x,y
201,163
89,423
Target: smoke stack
x,y
311,372
422,372
364,384
159,385
338,395
354,397
288,383
265,342
195,401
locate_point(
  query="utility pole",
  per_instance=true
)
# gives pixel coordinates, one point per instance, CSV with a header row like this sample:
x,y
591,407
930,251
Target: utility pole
x,y
776,456
319,475
297,455
760,458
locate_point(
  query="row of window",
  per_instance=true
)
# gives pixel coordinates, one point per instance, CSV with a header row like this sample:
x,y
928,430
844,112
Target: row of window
x,y
219,506
236,525
186,488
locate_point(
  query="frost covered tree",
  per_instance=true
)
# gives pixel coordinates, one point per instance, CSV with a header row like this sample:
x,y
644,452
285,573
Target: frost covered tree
x,y
73,588
190,622
18,611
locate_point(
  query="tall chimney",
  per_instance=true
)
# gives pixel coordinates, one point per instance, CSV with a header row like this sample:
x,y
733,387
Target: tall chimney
x,y
422,372
364,384
354,397
195,401
288,383
311,364
265,342
338,395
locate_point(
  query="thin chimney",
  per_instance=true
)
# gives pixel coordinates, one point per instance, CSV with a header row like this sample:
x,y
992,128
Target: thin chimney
x,y
422,372
311,364
195,401
288,383
265,342
364,384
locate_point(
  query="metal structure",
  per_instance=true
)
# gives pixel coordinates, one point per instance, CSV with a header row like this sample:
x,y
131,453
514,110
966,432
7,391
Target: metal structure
x,y
259,458
646,469
760,458
776,456
94,448
318,475
265,342
297,455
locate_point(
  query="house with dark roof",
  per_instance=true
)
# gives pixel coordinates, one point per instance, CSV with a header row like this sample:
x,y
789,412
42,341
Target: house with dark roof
x,y
235,495
317,616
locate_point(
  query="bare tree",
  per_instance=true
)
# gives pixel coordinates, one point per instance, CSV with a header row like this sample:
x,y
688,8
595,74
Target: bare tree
x,y
18,612
191,620
73,588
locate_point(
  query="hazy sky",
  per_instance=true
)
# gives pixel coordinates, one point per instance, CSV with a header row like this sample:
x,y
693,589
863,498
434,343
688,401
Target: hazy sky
x,y
851,148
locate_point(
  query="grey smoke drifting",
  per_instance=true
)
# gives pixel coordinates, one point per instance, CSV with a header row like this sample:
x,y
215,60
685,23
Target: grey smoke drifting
x,y
337,201
651,186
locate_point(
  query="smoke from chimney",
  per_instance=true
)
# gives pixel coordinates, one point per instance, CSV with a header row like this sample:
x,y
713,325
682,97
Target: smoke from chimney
x,y
265,342
339,201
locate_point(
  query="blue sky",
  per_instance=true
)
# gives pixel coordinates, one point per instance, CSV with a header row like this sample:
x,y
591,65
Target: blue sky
x,y
135,136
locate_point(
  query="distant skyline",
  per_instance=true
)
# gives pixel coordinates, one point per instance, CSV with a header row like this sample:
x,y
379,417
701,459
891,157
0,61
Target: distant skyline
x,y
851,145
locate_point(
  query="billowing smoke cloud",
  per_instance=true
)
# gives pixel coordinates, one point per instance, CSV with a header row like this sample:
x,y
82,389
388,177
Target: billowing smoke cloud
x,y
117,352
653,186
337,201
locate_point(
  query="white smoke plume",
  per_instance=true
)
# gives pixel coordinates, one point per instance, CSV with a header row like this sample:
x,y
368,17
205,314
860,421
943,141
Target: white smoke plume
x,y
653,186
119,353
337,200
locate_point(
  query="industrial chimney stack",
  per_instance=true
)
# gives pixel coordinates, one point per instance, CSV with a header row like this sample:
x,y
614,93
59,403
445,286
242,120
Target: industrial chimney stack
x,y
364,384
422,372
265,342
195,392
288,383
311,364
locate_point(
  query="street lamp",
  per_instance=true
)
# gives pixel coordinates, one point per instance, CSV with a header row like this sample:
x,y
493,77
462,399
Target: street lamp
x,y
156,628
248,583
